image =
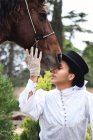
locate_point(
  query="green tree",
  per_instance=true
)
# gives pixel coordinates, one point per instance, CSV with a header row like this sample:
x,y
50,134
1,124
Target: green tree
x,y
76,19
69,46
7,105
63,31
11,56
57,21
31,130
88,56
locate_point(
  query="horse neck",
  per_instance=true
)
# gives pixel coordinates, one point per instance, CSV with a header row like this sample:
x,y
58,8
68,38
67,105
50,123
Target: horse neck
x,y
5,30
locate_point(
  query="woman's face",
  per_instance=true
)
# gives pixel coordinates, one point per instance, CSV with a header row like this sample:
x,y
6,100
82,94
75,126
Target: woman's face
x,y
61,75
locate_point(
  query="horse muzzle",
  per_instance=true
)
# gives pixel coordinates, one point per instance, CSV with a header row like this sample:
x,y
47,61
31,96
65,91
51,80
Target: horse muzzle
x,y
50,62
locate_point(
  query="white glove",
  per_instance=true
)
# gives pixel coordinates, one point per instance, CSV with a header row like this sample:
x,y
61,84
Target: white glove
x,y
33,61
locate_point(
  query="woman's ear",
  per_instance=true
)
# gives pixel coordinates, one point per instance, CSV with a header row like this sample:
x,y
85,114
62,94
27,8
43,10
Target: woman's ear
x,y
71,76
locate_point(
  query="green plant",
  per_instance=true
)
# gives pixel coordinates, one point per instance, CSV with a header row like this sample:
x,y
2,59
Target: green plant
x,y
16,137
31,129
44,82
88,133
7,105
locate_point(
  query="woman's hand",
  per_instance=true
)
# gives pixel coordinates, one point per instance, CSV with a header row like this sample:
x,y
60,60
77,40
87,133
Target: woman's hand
x,y
33,61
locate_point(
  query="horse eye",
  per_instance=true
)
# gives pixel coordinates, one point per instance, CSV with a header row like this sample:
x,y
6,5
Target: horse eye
x,y
44,15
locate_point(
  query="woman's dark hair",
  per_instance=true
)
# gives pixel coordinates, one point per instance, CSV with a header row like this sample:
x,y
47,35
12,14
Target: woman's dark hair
x,y
75,78
75,72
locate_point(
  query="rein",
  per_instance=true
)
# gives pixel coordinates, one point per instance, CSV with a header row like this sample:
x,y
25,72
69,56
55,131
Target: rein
x,y
37,38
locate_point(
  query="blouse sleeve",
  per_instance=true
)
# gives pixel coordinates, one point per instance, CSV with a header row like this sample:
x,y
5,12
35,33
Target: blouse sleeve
x,y
90,110
34,105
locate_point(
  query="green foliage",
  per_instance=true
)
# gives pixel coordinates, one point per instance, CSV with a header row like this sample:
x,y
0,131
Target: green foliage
x,y
7,100
5,127
45,82
75,20
68,46
7,105
31,130
88,56
16,137
88,133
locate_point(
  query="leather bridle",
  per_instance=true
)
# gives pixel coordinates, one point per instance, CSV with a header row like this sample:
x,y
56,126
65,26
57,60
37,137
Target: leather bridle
x,y
37,37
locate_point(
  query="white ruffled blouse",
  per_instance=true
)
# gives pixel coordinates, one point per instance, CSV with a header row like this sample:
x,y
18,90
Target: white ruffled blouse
x,y
63,115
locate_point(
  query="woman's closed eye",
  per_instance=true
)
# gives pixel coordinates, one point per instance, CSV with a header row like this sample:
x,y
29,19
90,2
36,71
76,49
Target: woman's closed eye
x,y
60,66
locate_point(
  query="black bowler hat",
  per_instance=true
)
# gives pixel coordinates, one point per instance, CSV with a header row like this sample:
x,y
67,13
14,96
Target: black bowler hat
x,y
77,64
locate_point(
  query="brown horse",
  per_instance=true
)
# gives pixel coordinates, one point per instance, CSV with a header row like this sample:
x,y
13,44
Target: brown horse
x,y
25,23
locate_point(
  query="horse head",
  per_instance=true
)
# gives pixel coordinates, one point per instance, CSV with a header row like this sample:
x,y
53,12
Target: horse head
x,y
25,23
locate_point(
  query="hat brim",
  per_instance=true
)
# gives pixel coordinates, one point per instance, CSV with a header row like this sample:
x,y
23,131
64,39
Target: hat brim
x,y
74,66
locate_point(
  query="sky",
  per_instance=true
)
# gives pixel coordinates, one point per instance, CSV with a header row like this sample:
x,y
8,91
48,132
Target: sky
x,y
80,6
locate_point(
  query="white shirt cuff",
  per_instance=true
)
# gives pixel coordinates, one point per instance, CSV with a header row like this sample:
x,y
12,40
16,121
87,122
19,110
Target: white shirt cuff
x,y
31,86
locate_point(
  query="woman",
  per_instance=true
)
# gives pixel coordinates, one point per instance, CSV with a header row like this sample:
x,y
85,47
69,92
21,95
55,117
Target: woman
x,y
65,111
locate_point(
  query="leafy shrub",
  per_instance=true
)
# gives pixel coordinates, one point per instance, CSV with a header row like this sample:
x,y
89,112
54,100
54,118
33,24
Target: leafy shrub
x,y
88,133
16,137
45,82
31,130
7,105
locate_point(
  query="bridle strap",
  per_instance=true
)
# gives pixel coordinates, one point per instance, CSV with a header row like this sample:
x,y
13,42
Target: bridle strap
x,y
30,16
45,36
37,38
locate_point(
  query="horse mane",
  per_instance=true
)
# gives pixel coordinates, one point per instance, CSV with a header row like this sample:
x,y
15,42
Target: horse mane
x,y
6,6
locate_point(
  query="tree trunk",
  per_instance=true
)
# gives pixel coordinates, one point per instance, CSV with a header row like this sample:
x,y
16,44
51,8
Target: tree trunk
x,y
57,21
